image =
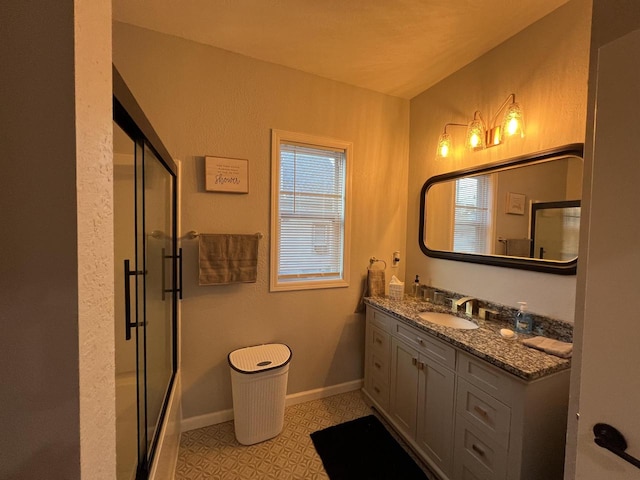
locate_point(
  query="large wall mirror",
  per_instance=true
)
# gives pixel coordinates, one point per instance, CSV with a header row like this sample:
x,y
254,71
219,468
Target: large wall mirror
x,y
519,213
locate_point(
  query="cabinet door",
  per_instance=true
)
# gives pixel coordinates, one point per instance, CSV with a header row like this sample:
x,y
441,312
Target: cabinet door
x,y
404,387
435,412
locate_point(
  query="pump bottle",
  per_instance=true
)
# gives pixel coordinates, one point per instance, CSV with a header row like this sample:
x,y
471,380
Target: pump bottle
x,y
415,288
523,321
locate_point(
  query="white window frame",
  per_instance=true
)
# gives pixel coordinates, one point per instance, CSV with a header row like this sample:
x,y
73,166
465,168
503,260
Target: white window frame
x,y
279,137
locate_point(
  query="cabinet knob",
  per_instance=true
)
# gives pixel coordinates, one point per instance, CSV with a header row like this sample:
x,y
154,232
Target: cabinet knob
x,y
376,389
420,341
379,341
420,366
378,366
414,361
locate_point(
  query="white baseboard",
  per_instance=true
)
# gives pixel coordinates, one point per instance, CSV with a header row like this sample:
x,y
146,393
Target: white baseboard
x,y
324,392
214,418
207,419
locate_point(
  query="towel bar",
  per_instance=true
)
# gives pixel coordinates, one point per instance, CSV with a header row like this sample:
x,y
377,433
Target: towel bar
x,y
193,234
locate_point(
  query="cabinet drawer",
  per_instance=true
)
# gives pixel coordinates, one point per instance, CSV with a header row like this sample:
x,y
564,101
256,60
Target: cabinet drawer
x,y
490,416
434,349
379,391
488,378
379,341
380,320
477,456
467,473
379,366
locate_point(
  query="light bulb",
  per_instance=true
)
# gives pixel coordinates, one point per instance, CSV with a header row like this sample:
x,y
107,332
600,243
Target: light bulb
x,y
444,145
476,133
513,123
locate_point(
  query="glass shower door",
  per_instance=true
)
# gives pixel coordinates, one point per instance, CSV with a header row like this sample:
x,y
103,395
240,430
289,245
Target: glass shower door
x,y
144,239
159,277
146,283
124,254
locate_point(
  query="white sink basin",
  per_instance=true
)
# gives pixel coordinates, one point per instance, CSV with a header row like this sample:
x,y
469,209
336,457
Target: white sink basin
x,y
448,320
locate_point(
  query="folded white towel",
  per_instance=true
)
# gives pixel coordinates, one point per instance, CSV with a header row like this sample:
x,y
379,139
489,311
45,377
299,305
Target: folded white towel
x,y
549,345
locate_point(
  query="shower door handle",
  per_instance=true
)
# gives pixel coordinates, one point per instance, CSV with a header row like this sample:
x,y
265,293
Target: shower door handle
x,y
180,273
164,274
128,324
177,288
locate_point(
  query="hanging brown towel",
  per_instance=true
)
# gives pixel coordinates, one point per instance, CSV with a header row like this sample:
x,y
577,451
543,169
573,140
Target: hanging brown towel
x,y
517,247
374,286
226,258
375,283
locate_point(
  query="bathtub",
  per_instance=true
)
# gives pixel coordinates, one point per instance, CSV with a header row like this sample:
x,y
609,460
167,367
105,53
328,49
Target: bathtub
x,y
126,426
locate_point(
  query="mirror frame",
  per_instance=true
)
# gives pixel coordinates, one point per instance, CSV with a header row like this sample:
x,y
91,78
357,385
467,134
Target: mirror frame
x,y
537,265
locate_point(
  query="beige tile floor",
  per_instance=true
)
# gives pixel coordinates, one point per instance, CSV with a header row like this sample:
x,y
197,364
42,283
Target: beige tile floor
x,y
213,452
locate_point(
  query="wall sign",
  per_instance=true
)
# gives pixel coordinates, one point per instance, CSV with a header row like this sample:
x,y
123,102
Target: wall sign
x,y
515,203
230,175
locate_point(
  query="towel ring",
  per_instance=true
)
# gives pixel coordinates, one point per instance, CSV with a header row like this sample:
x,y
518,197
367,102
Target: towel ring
x,y
373,260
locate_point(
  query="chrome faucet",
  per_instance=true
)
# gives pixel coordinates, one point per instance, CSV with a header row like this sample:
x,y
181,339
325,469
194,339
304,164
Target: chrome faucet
x,y
468,301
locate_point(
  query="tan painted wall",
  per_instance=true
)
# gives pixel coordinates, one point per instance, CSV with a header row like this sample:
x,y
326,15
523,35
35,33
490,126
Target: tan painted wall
x,y
610,269
546,67
39,311
56,279
205,101
542,183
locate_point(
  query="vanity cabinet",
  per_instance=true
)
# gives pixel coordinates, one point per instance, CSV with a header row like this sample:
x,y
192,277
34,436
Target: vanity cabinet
x,y
467,418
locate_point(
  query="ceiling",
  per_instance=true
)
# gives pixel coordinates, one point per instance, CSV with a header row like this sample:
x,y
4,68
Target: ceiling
x,y
396,47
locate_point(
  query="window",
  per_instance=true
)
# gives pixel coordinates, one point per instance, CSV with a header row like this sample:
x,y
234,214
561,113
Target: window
x,y
472,216
309,212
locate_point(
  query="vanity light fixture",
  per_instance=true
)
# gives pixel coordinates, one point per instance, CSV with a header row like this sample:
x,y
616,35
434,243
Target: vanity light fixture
x,y
479,136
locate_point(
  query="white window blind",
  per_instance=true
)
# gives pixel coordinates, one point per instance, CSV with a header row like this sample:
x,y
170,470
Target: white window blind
x,y
472,219
309,216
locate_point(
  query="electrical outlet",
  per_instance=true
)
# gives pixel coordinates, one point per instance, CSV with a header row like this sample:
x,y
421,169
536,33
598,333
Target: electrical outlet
x,y
395,259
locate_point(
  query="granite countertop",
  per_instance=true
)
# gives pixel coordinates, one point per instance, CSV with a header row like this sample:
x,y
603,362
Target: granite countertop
x,y
484,342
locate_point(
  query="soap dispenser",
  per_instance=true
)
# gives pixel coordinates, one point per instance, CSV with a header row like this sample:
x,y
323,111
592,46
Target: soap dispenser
x,y
415,288
523,320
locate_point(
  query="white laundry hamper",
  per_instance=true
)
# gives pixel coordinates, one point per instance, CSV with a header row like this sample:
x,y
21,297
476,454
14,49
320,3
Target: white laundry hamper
x,y
259,386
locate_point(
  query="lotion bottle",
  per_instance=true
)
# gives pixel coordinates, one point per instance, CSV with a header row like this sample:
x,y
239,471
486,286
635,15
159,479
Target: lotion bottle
x,y
523,320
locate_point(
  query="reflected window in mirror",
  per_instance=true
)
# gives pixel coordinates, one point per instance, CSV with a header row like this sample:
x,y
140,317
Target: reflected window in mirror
x,y
495,214
472,222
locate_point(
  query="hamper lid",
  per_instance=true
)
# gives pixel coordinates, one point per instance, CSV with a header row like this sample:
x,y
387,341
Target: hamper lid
x,y
260,357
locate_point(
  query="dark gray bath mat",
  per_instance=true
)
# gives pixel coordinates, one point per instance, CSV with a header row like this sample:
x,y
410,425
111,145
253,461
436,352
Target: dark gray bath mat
x,y
363,449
